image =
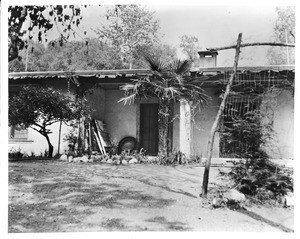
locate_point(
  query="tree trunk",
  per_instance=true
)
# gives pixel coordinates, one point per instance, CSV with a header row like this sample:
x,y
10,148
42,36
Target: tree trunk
x,y
170,129
50,152
163,127
217,120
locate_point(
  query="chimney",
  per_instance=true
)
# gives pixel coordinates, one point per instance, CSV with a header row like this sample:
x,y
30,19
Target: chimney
x,y
208,58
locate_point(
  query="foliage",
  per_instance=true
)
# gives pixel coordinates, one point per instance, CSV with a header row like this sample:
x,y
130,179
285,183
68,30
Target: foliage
x,y
247,134
129,27
168,83
73,55
190,46
256,175
36,21
166,52
38,108
72,139
138,154
176,157
284,31
15,154
261,178
285,22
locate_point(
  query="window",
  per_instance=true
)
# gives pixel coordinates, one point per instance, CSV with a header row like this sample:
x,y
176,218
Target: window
x,y
17,134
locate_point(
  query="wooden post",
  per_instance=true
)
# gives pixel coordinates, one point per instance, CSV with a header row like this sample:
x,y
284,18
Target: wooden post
x,y
217,120
59,135
90,137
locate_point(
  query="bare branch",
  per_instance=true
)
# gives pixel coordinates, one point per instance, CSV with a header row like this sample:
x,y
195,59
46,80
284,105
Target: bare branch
x,y
251,44
292,34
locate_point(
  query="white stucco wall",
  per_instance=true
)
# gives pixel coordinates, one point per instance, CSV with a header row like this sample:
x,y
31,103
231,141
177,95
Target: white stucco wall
x,y
37,143
203,122
201,126
280,108
120,119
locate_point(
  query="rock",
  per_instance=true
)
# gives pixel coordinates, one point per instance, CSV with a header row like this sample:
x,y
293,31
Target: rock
x,y
94,152
128,158
217,202
63,157
289,199
117,162
133,160
98,157
70,158
103,160
124,161
91,160
84,159
234,195
76,159
109,161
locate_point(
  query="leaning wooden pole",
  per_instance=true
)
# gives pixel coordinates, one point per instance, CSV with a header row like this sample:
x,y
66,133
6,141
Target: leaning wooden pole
x,y
59,136
252,44
217,120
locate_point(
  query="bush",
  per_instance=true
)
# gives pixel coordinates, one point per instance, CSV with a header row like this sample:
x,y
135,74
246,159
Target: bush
x,y
15,154
261,178
256,175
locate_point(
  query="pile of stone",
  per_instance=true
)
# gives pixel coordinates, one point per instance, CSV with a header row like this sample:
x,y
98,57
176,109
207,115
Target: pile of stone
x,y
115,159
70,158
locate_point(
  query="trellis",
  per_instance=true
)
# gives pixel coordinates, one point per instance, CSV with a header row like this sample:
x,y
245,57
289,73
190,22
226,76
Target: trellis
x,y
229,84
247,92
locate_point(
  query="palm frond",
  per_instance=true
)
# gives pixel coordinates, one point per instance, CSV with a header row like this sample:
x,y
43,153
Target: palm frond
x,y
127,87
154,63
172,92
128,99
180,67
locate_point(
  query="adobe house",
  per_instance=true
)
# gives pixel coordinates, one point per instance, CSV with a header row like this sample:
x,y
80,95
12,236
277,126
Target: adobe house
x,y
191,125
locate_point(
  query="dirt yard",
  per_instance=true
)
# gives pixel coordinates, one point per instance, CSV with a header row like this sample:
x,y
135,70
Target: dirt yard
x,y
55,196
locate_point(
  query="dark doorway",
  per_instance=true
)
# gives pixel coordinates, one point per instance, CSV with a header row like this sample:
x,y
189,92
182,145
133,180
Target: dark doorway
x,y
149,128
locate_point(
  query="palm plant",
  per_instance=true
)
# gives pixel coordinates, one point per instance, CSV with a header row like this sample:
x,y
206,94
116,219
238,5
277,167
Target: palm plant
x,y
169,83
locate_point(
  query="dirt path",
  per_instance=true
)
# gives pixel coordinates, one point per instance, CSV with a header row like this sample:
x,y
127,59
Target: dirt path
x,y
54,196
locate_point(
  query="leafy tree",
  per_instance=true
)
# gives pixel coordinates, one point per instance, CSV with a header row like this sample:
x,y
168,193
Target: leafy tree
x,y
36,21
284,31
73,55
38,108
129,27
169,83
190,46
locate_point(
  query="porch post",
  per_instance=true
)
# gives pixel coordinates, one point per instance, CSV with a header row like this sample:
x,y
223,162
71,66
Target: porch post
x,y
185,128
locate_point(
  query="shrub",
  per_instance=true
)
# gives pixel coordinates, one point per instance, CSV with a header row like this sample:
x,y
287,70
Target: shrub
x,y
261,178
256,175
